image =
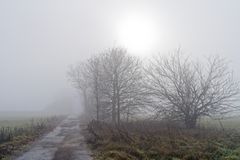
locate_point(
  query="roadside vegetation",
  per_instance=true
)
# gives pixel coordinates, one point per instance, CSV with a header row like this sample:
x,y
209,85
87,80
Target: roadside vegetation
x,y
17,134
154,140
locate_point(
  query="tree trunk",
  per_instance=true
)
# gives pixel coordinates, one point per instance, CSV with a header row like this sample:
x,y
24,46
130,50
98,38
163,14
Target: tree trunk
x,y
118,111
114,110
97,106
128,113
118,103
191,122
114,100
114,113
85,100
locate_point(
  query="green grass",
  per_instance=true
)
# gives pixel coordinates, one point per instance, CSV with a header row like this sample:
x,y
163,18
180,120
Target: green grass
x,y
228,123
19,122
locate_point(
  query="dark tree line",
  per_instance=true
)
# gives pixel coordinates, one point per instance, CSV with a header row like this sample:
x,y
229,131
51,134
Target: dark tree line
x,y
117,86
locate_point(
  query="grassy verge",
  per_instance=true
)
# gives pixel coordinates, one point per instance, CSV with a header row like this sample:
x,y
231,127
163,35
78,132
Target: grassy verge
x,y
158,141
15,135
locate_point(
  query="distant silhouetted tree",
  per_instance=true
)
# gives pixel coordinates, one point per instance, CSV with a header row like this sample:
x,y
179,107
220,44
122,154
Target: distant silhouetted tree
x,y
85,76
78,77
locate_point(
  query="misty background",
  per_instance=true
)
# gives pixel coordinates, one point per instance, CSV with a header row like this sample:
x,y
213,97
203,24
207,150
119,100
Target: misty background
x,y
39,40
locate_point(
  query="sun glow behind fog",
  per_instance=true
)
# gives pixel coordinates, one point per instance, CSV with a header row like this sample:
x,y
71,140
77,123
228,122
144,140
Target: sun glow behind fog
x,y
138,33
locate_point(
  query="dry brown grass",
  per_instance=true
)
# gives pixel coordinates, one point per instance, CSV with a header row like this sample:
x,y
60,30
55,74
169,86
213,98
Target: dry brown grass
x,y
161,141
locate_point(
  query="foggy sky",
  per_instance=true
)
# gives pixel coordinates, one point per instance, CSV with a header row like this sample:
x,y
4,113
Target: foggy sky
x,y
40,39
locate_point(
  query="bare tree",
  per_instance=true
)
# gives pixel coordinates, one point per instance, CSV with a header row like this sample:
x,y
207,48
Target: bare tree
x,y
93,68
78,77
182,89
121,78
112,80
86,77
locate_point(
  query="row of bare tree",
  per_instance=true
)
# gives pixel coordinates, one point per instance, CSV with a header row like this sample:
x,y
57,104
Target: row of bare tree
x,y
116,86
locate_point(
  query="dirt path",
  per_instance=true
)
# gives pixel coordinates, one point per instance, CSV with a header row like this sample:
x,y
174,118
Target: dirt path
x,y
64,143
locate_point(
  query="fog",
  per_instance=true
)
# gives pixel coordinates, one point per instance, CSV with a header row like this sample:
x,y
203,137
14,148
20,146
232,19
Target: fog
x,y
39,40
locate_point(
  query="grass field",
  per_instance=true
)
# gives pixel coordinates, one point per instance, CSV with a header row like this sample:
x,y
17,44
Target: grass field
x,y
229,123
16,133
